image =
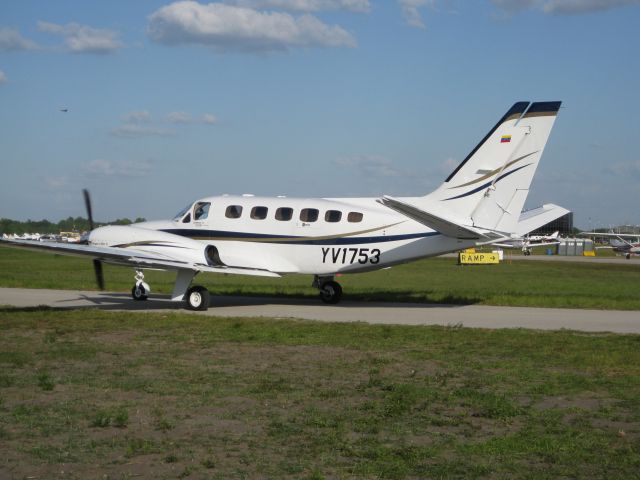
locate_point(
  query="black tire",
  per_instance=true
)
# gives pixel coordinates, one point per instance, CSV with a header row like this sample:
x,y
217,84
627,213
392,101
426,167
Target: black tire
x,y
139,293
197,298
527,253
330,292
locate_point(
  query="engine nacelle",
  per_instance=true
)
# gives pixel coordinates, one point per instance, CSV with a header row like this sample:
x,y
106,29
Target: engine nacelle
x,y
155,242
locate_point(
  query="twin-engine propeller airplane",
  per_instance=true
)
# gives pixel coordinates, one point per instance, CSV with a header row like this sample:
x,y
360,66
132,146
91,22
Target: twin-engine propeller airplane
x,y
480,202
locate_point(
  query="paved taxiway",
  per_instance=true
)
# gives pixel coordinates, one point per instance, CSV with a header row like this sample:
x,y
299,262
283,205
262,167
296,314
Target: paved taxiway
x,y
476,316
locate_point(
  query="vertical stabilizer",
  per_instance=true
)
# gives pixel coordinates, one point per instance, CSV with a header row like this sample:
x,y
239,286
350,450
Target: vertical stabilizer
x,y
487,191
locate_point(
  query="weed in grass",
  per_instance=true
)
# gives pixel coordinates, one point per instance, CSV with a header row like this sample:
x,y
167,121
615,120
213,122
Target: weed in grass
x,y
186,472
316,475
208,463
45,382
118,417
50,337
164,425
101,419
6,380
139,446
171,458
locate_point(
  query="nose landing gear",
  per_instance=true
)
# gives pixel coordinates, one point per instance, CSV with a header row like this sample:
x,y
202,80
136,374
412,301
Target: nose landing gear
x,y
141,289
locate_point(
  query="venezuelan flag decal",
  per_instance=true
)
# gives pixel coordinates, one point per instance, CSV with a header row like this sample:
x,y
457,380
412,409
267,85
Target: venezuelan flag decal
x,y
505,139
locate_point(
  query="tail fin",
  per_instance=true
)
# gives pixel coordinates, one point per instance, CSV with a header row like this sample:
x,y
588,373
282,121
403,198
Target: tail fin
x,y
487,191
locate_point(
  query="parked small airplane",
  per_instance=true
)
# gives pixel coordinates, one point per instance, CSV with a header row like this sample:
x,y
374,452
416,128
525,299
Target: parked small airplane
x,y
480,202
527,242
627,248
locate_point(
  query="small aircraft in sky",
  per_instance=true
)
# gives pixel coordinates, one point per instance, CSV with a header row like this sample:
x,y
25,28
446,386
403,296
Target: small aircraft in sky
x,y
480,202
619,243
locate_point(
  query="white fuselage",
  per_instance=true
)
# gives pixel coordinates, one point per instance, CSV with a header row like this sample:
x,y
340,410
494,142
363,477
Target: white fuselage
x,y
282,235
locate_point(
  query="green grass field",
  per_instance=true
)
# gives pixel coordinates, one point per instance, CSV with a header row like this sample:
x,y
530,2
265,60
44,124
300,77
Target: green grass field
x,y
121,395
437,280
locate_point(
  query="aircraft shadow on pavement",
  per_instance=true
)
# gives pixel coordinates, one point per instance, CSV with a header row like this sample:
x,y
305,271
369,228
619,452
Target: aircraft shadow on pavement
x,y
123,301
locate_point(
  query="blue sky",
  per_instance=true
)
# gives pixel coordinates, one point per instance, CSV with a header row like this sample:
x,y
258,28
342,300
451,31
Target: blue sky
x,y
168,102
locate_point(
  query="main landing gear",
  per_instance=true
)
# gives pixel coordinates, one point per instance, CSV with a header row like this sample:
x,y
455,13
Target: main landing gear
x,y
195,297
330,291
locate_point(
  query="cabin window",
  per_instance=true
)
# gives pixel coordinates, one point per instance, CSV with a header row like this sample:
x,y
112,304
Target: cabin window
x,y
309,214
332,216
233,211
201,210
187,219
354,217
284,214
259,213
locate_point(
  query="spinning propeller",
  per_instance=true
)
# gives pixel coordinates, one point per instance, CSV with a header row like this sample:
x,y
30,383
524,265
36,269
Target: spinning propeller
x,y
97,264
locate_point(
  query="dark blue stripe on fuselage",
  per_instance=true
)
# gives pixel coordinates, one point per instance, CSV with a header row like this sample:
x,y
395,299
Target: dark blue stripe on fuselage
x,y
482,187
213,235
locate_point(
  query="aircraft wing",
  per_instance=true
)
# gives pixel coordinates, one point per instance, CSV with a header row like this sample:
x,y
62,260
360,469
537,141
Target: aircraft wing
x,y
531,220
131,257
543,244
505,245
609,234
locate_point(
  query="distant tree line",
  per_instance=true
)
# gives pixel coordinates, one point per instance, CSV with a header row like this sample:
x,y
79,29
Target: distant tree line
x,y
70,224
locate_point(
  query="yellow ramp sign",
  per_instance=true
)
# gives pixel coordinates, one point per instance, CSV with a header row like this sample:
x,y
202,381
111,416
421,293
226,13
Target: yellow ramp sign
x,y
478,258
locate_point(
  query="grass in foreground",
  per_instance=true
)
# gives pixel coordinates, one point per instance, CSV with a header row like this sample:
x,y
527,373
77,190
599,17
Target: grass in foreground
x,y
117,395
437,280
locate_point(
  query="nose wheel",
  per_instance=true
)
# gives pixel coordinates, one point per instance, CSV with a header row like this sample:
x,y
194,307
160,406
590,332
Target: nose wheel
x,y
141,289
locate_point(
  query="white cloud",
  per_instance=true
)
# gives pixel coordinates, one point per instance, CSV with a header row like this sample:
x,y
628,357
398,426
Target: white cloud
x,y
370,165
449,165
134,130
11,41
108,168
179,117
360,6
137,116
3,78
209,119
185,118
624,169
84,39
411,13
567,7
55,183
230,28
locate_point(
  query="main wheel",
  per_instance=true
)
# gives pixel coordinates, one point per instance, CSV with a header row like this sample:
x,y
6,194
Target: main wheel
x,y
330,292
139,293
197,298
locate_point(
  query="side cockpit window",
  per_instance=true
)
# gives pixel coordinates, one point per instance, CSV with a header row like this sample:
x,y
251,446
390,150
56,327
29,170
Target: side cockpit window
x,y
179,216
201,210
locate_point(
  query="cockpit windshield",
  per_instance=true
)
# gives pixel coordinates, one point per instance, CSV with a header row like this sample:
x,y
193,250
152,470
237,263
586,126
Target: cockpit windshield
x,y
179,216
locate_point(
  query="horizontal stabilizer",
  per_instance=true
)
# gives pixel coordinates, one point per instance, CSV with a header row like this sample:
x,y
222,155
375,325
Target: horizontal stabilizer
x,y
531,220
443,225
